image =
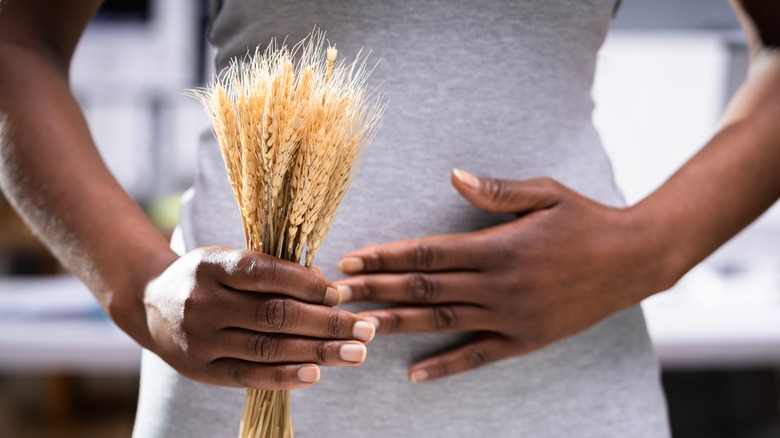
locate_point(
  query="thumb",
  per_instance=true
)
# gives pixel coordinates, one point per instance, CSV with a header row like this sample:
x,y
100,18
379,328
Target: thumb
x,y
507,196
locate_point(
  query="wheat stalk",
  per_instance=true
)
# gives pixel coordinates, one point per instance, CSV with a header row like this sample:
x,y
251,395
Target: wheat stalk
x,y
291,127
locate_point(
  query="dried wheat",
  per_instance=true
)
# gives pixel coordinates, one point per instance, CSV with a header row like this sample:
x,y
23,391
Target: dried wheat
x,y
291,135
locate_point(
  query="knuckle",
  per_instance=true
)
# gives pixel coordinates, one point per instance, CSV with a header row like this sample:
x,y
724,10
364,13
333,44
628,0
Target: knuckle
x,y
252,270
320,352
207,261
264,271
273,314
212,366
374,262
203,268
313,283
422,288
549,183
195,347
239,373
192,308
189,307
476,356
443,317
549,189
368,291
335,325
424,255
529,342
441,369
502,255
392,322
278,376
494,189
263,347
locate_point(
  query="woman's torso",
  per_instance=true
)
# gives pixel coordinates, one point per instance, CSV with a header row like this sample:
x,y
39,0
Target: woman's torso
x,y
500,88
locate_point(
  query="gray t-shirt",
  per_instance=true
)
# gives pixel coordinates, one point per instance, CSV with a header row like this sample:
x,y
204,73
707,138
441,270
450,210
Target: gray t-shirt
x,y
500,88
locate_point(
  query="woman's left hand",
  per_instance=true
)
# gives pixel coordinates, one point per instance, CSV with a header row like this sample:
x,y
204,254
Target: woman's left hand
x,y
563,265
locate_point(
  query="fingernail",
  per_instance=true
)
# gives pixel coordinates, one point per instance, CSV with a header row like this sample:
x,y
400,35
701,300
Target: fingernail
x,y
332,296
353,352
373,320
363,331
309,373
419,376
346,292
467,178
350,265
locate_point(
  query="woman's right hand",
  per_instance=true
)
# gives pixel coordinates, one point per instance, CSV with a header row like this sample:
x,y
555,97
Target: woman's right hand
x,y
233,317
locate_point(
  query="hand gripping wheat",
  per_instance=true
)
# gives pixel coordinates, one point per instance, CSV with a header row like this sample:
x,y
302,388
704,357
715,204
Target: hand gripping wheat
x,y
292,125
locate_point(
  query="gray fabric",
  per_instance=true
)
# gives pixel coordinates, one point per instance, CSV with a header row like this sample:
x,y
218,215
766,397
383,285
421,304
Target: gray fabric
x,y
500,88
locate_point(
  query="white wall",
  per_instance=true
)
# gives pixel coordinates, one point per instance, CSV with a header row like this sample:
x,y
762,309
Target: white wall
x,y
659,96
130,78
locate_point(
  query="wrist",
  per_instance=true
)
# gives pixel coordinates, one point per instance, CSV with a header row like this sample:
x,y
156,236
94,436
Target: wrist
x,y
658,246
125,301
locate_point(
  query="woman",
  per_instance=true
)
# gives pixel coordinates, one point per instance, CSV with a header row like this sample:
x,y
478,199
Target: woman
x,y
514,307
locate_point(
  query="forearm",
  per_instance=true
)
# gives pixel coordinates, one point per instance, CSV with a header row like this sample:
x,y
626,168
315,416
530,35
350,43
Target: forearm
x,y
54,176
729,183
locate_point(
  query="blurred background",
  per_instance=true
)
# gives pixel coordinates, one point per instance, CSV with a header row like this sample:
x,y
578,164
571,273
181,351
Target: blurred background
x,y
664,76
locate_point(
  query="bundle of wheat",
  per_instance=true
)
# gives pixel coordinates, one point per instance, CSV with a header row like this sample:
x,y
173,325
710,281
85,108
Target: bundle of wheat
x,y
292,127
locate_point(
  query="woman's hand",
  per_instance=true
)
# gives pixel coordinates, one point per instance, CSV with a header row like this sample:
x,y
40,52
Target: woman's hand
x,y
239,318
563,265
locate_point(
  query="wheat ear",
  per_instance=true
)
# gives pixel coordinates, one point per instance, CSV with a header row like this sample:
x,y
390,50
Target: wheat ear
x,y
291,135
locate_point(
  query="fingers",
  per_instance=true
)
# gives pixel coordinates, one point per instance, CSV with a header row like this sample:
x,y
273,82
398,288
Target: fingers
x,y
437,318
507,196
413,287
486,349
245,374
430,254
270,348
277,314
256,272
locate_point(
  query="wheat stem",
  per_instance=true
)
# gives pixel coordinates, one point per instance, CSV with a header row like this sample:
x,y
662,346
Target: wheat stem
x,y
291,134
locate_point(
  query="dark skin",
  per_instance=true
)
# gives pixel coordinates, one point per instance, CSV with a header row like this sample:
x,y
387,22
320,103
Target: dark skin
x,y
235,318
217,315
568,262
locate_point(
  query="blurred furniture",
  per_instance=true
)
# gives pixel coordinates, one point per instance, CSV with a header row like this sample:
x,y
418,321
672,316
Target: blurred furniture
x,y
20,251
54,325
712,321
129,73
